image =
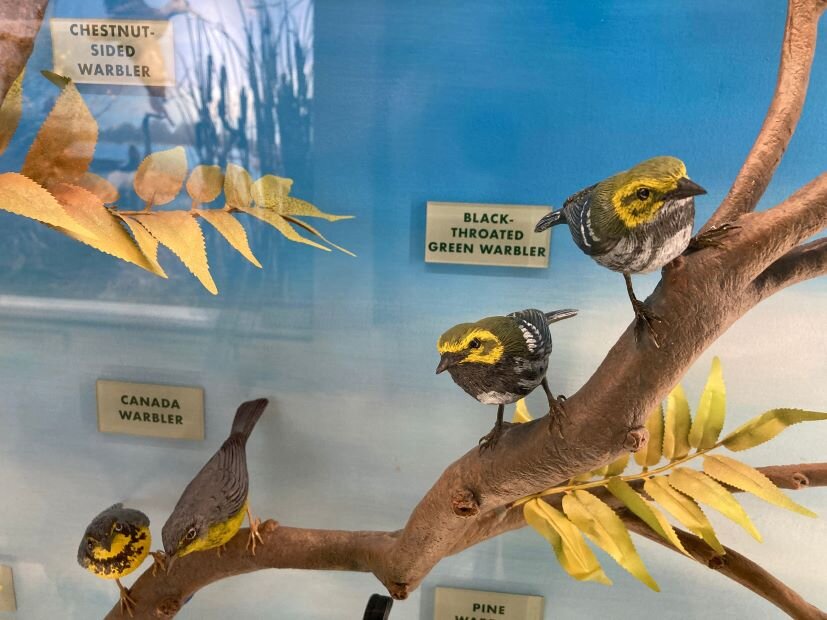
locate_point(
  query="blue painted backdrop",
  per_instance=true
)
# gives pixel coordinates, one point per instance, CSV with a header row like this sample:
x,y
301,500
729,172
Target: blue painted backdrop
x,y
381,106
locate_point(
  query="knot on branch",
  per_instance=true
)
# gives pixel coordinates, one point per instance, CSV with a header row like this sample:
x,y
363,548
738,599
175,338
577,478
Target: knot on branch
x,y
269,526
635,439
464,503
398,590
167,608
716,562
800,480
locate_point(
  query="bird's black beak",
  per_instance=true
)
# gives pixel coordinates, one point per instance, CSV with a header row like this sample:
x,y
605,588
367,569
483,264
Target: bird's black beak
x,y
685,189
445,362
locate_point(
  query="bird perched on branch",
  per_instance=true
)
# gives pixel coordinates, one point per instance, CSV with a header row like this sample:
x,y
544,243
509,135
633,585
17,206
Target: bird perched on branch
x,y
116,543
635,221
212,507
500,359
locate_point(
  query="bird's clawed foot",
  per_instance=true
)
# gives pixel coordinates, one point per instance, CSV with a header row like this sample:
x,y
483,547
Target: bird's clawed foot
x,y
127,602
490,440
159,561
645,319
255,522
557,414
220,549
712,238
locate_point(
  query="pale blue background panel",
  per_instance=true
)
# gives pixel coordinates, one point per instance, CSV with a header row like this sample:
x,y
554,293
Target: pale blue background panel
x,y
377,108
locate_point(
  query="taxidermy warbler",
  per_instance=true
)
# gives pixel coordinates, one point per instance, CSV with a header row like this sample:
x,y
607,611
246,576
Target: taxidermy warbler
x,y
635,221
115,544
500,359
213,505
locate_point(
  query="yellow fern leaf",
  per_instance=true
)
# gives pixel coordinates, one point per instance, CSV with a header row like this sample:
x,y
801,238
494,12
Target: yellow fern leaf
x,y
766,426
742,476
571,549
180,232
684,509
231,230
605,529
10,111
160,176
205,183
646,511
705,490
22,196
709,419
676,426
650,455
108,234
64,145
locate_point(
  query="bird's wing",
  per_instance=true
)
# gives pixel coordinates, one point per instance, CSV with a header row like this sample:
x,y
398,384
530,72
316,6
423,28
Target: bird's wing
x,y
219,490
583,214
533,325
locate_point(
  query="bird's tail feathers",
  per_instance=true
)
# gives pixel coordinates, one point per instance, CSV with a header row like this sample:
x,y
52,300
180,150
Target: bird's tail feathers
x,y
247,416
559,315
549,220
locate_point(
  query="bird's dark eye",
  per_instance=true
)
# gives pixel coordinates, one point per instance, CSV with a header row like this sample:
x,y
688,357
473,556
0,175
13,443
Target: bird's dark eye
x,y
474,344
118,527
642,193
191,533
90,544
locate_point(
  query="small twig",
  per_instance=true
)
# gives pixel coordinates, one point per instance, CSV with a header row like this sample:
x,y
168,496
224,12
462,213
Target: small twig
x,y
735,566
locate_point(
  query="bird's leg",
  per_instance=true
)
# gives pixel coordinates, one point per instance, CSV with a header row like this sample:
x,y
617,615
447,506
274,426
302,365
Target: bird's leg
x,y
712,238
127,602
557,412
254,533
159,560
221,549
643,316
490,440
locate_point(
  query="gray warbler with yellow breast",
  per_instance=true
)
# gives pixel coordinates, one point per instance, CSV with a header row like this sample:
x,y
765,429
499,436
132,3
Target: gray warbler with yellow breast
x,y
500,359
114,544
636,221
212,507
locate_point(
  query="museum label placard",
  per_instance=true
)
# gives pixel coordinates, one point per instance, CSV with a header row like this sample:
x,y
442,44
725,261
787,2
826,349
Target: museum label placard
x,y
114,51
458,604
485,234
168,411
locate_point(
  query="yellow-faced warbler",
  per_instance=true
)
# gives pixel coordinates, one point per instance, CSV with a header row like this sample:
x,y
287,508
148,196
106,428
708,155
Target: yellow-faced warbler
x,y
213,505
500,359
116,543
635,221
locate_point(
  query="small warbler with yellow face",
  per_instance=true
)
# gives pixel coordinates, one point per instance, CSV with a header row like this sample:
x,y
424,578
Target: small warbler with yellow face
x,y
500,359
212,508
636,221
115,544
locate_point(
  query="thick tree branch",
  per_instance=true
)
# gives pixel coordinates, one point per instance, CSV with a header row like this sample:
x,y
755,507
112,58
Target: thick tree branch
x,y
163,595
19,23
737,567
797,51
801,263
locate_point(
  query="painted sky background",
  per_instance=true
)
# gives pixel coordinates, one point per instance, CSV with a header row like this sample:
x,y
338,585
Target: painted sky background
x,y
411,101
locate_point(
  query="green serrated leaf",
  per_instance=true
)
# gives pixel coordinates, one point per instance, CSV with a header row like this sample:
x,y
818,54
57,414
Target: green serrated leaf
x,y
676,425
605,529
766,426
742,476
705,490
709,420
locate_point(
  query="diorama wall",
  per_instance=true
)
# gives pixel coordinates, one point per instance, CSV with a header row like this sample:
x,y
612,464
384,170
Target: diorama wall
x,y
385,106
